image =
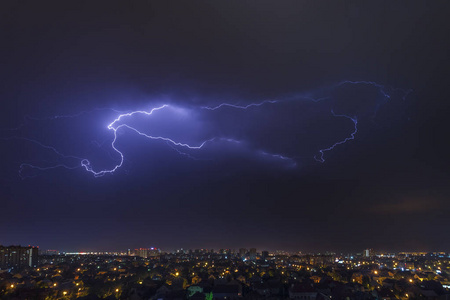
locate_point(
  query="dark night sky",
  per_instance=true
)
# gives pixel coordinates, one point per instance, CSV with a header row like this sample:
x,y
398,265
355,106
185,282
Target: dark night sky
x,y
387,189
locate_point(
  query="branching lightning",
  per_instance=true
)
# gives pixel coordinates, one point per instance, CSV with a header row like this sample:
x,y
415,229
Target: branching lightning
x,y
240,106
320,158
183,148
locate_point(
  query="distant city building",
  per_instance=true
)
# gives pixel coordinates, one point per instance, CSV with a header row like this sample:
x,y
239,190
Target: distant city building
x,y
368,253
264,254
252,254
147,252
50,252
242,252
317,259
18,256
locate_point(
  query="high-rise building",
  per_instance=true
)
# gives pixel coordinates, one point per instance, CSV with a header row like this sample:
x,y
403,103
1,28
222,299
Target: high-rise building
x,y
368,253
264,254
242,252
18,256
252,253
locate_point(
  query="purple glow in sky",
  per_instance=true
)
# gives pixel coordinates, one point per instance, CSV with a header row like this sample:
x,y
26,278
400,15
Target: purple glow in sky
x,y
258,128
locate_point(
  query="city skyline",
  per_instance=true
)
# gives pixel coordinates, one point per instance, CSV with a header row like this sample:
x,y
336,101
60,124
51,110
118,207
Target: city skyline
x,y
244,274
233,250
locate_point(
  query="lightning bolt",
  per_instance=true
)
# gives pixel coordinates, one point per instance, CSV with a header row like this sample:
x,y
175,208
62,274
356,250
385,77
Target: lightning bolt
x,y
291,161
119,124
256,104
23,166
240,106
351,137
383,89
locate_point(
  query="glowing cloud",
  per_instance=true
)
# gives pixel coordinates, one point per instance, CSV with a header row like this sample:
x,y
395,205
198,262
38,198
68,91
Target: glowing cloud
x,y
190,131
